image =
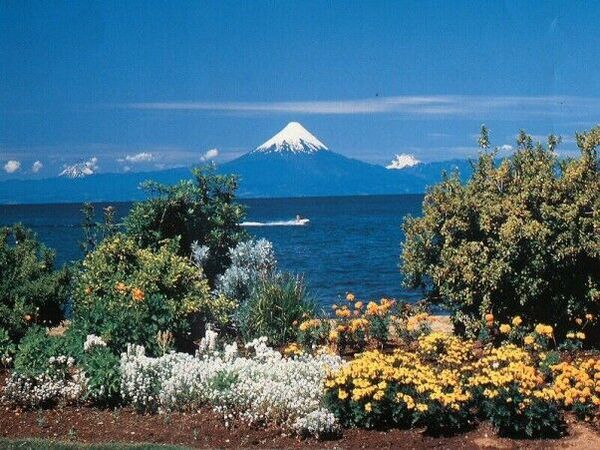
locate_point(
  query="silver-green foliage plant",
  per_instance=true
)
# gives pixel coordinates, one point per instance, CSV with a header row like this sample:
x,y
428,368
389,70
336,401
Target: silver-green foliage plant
x,y
251,261
521,237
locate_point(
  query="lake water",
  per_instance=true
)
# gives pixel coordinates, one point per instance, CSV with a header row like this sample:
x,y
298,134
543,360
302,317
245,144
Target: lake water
x,y
352,244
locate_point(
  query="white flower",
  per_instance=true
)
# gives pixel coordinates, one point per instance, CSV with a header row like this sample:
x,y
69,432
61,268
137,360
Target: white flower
x,y
263,387
92,341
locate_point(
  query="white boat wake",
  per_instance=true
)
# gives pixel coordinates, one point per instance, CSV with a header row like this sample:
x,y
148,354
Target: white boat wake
x,y
277,223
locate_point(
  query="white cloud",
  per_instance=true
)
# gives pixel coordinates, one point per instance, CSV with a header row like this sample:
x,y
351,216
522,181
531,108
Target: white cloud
x,y
433,105
37,166
138,158
210,154
402,161
12,166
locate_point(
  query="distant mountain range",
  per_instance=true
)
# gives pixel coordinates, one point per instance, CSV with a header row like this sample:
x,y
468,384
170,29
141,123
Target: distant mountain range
x,y
293,163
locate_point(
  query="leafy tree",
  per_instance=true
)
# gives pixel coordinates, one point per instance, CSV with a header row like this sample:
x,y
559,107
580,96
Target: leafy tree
x,y
202,211
521,237
31,291
94,232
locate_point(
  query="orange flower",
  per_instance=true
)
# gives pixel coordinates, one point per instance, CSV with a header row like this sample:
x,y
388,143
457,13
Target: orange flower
x,y
489,317
372,308
88,290
121,287
350,297
138,295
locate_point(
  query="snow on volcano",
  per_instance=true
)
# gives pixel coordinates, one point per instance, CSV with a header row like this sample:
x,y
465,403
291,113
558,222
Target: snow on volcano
x,y
403,160
293,138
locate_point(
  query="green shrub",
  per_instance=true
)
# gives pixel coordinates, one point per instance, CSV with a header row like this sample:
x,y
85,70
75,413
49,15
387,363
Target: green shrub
x,y
539,419
7,349
31,291
102,371
35,350
521,237
127,294
202,211
274,306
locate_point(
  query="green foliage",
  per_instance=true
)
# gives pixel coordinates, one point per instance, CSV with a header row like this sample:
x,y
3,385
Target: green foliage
x,y
7,348
379,327
383,414
441,420
202,211
127,294
274,306
94,232
521,237
31,291
35,350
540,418
103,374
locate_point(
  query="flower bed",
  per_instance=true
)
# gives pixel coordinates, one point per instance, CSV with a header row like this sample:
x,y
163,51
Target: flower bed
x,y
518,379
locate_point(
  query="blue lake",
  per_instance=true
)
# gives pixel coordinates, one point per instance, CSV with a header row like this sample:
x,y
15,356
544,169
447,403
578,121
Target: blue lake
x,y
352,244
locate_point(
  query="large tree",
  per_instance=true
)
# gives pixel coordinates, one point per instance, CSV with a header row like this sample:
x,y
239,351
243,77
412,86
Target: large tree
x,y
203,211
521,237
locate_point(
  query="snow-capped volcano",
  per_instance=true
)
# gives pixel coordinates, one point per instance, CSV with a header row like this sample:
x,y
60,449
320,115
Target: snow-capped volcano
x,y
80,170
293,138
402,161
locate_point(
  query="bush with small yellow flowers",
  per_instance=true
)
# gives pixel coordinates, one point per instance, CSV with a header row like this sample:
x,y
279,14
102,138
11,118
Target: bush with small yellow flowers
x,y
577,386
357,324
513,395
401,389
378,390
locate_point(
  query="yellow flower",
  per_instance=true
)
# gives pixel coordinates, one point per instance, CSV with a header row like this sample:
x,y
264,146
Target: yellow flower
x,y
138,295
529,340
342,395
358,305
544,330
120,287
343,312
333,336
505,328
293,349
368,407
517,321
350,297
580,335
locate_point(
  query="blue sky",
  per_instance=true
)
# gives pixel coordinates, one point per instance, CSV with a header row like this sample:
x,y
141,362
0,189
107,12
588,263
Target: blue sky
x,y
143,85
